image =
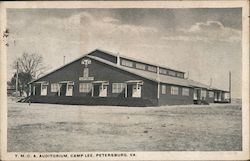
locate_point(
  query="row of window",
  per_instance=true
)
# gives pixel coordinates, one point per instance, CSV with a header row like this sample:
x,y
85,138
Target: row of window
x,y
211,94
86,87
185,91
171,73
204,94
141,66
174,90
119,87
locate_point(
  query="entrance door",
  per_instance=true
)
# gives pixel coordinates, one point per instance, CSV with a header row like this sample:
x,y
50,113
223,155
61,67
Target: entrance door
x,y
63,89
38,89
96,90
219,96
129,90
69,90
136,89
196,94
103,91
43,90
216,96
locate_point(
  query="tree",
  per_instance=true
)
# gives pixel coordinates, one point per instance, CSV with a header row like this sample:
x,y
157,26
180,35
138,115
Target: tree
x,y
23,80
31,64
29,67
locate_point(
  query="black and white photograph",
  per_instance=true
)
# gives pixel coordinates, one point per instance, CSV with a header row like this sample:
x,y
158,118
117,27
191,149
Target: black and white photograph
x,y
117,81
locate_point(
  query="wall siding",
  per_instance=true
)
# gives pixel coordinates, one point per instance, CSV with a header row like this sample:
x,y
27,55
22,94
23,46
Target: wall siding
x,y
169,99
100,72
103,72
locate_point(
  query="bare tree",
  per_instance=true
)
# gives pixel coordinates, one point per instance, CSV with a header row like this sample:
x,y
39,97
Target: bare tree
x,y
30,63
23,80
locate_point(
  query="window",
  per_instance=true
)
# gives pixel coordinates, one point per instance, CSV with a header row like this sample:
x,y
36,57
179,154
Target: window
x,y
85,87
185,91
152,69
127,63
163,89
226,96
203,93
69,91
163,71
118,87
43,89
180,75
54,87
171,73
211,94
174,90
85,72
140,66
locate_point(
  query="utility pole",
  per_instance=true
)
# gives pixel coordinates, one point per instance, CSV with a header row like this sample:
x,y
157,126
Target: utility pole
x,y
187,75
17,78
230,87
211,82
158,81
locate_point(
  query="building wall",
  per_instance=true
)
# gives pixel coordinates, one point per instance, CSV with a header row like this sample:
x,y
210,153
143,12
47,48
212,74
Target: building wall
x,y
100,72
170,99
113,59
209,99
103,72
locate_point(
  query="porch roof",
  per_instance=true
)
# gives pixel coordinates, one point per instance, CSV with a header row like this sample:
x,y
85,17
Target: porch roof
x,y
100,82
42,82
134,81
71,82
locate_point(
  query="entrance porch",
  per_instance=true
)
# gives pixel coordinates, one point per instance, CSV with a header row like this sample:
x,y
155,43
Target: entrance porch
x,y
133,88
100,88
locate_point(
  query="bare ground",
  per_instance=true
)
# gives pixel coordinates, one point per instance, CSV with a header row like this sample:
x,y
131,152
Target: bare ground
x,y
64,128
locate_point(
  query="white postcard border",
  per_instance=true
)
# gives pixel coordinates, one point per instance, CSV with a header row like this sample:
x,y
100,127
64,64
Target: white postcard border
x,y
168,155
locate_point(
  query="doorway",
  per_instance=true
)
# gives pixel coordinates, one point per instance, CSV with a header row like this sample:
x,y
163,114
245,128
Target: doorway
x,y
129,90
100,88
96,90
133,88
63,88
37,89
136,90
196,94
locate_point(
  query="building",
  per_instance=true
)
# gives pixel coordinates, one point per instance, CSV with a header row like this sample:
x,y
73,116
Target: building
x,y
104,78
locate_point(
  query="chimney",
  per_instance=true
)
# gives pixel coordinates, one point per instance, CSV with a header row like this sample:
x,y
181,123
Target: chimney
x,y
63,60
158,73
230,88
118,58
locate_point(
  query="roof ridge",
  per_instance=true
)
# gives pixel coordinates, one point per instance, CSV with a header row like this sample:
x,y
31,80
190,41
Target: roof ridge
x,y
138,60
115,65
154,78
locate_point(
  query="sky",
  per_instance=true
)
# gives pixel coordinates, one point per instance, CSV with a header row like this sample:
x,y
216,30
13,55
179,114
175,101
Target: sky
x,y
206,43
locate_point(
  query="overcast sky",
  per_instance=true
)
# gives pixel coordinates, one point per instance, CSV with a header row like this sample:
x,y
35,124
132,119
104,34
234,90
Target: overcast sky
x,y
204,42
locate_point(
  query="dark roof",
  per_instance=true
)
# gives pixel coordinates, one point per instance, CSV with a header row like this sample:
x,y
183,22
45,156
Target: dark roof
x,y
136,60
154,76
145,74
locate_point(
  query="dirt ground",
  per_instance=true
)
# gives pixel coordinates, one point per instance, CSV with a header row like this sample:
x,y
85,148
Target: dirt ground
x,y
64,128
